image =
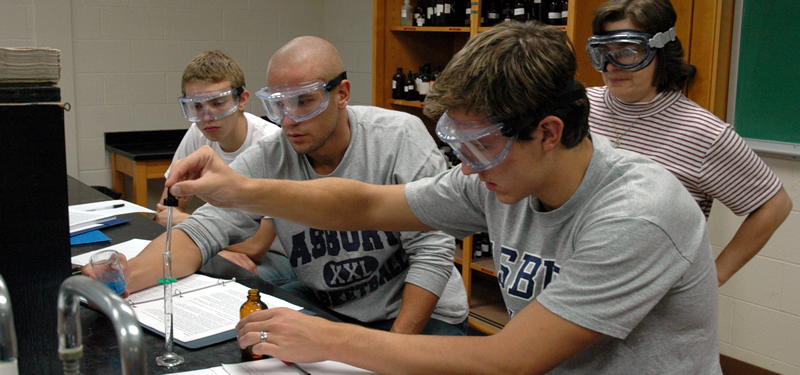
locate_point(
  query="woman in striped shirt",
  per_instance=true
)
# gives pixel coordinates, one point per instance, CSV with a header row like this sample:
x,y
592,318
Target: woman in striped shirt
x,y
642,109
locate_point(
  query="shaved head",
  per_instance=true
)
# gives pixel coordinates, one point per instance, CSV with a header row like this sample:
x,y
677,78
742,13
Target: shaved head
x,y
304,58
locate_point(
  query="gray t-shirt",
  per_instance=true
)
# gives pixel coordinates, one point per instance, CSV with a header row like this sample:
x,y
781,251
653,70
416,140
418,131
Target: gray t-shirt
x,y
627,255
358,274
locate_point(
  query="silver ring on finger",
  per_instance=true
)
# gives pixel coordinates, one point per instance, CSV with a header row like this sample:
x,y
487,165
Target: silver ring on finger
x,y
264,336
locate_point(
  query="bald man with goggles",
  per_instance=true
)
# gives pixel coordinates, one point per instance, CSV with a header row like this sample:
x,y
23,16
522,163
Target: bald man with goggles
x,y
403,281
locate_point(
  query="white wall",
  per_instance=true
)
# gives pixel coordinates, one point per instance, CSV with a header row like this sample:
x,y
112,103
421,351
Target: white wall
x,y
121,67
122,60
759,307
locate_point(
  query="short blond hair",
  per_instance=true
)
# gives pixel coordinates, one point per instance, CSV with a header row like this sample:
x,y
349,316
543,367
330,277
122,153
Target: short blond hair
x,y
211,67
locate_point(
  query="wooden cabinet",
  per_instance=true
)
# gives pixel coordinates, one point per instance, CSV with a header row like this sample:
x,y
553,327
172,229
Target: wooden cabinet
x,y
704,28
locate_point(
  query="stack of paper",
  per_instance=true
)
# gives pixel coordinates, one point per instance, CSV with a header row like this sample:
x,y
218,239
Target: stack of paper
x,y
80,221
30,65
275,366
83,217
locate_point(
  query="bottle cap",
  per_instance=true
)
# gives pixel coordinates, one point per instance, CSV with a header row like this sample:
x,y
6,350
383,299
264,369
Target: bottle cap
x,y
170,200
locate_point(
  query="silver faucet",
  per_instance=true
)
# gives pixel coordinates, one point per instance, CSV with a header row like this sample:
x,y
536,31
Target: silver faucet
x,y
8,337
129,332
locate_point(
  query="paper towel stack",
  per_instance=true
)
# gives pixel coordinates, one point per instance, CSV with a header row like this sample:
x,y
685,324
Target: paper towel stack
x,y
29,66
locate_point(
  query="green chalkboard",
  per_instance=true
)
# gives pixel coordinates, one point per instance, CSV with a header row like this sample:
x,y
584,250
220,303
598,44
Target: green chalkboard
x,y
768,80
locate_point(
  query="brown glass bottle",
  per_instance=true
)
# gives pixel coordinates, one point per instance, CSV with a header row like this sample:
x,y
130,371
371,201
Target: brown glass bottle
x,y
398,82
252,304
425,83
411,87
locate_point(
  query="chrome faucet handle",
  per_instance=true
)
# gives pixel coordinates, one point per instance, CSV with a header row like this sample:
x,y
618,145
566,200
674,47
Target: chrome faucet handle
x,y
8,337
129,333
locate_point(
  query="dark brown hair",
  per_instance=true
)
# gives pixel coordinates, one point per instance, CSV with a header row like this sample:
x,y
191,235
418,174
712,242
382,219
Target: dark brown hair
x,y
510,71
672,72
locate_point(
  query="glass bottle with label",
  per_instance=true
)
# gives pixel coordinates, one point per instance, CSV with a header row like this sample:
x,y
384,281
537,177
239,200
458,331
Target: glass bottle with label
x,y
430,11
520,14
507,12
406,14
252,305
398,82
554,15
425,83
564,12
449,14
467,9
438,13
419,15
411,88
492,13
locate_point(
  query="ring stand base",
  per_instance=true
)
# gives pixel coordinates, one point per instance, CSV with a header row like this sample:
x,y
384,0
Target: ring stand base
x,y
169,359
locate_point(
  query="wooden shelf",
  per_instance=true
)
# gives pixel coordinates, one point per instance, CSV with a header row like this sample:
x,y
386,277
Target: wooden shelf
x,y
487,311
407,103
484,265
439,29
459,255
484,28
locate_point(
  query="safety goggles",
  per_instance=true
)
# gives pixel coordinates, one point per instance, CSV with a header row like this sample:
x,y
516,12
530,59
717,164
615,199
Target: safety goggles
x,y
479,144
301,102
626,49
217,104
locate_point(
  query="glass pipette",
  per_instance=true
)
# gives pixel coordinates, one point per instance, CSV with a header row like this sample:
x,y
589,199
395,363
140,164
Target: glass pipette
x,y
169,358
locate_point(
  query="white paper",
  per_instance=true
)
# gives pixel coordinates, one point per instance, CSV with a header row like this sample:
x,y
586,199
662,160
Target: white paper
x,y
196,282
130,248
184,285
333,367
276,366
208,371
202,313
270,366
127,208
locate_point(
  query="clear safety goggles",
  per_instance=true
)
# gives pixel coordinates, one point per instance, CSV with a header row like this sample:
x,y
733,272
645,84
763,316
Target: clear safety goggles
x,y
480,144
217,104
300,102
626,49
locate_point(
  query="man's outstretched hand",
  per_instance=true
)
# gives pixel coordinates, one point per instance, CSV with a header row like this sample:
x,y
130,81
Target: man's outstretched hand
x,y
205,174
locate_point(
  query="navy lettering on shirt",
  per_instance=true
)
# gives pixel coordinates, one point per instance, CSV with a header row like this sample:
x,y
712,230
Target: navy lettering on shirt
x,y
325,243
395,266
518,272
352,278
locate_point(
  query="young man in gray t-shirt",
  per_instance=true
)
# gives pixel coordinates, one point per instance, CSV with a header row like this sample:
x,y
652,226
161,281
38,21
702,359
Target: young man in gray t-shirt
x,y
405,282
602,257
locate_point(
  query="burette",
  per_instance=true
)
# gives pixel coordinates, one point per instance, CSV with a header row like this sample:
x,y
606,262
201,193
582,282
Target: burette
x,y
169,358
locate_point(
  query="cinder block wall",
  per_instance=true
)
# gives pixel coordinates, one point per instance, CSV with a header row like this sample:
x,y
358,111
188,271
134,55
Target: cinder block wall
x,y
122,60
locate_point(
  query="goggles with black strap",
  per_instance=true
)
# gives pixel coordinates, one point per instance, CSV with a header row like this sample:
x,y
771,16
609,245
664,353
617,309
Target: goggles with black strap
x,y
300,101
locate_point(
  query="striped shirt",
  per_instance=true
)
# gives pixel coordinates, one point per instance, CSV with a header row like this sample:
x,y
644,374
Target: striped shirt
x,y
708,157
